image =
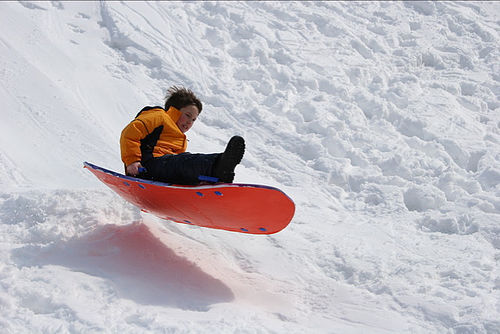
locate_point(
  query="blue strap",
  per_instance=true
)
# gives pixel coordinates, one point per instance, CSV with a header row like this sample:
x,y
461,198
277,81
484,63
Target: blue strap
x,y
208,178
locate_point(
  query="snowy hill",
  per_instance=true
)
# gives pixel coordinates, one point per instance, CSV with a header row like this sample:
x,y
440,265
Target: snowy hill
x,y
380,119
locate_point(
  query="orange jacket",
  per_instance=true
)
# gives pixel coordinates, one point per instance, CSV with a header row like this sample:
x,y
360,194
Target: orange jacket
x,y
153,129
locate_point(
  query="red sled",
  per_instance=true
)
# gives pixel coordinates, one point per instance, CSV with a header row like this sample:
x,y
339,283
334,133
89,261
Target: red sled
x,y
244,208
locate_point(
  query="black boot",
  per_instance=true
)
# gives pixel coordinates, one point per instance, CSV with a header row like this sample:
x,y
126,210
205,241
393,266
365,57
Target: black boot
x,y
226,163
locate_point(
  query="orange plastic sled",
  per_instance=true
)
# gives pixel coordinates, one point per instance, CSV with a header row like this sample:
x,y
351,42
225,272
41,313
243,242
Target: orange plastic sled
x,y
244,208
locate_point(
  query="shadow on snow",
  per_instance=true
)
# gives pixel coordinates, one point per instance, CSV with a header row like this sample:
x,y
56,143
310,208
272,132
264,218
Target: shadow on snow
x,y
140,267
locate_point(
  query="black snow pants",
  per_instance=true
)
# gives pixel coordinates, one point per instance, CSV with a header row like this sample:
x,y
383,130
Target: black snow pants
x,y
184,168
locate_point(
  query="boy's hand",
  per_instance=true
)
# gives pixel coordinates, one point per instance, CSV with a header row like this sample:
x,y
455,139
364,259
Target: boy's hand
x,y
133,168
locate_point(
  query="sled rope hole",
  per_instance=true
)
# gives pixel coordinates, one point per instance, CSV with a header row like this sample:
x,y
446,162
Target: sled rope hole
x,y
199,194
218,193
126,183
141,186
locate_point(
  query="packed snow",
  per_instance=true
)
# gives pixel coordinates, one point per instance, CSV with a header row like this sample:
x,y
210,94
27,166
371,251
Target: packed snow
x,y
381,120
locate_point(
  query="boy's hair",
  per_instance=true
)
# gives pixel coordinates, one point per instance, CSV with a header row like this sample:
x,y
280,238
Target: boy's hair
x,y
180,97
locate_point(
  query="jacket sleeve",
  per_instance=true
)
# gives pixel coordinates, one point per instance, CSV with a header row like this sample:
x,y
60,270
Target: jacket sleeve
x,y
133,133
130,141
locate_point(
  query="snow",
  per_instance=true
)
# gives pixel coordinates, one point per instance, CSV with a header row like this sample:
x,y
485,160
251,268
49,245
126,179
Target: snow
x,y
380,119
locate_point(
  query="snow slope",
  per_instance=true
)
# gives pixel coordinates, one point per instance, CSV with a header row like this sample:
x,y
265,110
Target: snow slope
x,y
380,119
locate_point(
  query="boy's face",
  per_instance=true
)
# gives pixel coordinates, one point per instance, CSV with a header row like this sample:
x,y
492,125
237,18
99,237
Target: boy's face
x,y
189,115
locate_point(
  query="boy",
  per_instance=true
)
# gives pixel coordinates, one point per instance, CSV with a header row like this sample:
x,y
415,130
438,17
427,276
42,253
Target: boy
x,y
156,140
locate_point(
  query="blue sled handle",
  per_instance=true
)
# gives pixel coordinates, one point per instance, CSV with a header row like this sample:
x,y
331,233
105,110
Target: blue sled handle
x,y
208,178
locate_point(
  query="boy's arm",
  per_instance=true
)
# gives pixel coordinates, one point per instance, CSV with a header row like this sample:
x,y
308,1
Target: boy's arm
x,y
130,141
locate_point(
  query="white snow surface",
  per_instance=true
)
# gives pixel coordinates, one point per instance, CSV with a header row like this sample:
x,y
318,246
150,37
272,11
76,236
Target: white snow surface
x,y
381,120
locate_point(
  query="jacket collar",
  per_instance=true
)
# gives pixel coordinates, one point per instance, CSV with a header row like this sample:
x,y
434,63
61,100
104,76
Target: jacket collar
x,y
174,113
